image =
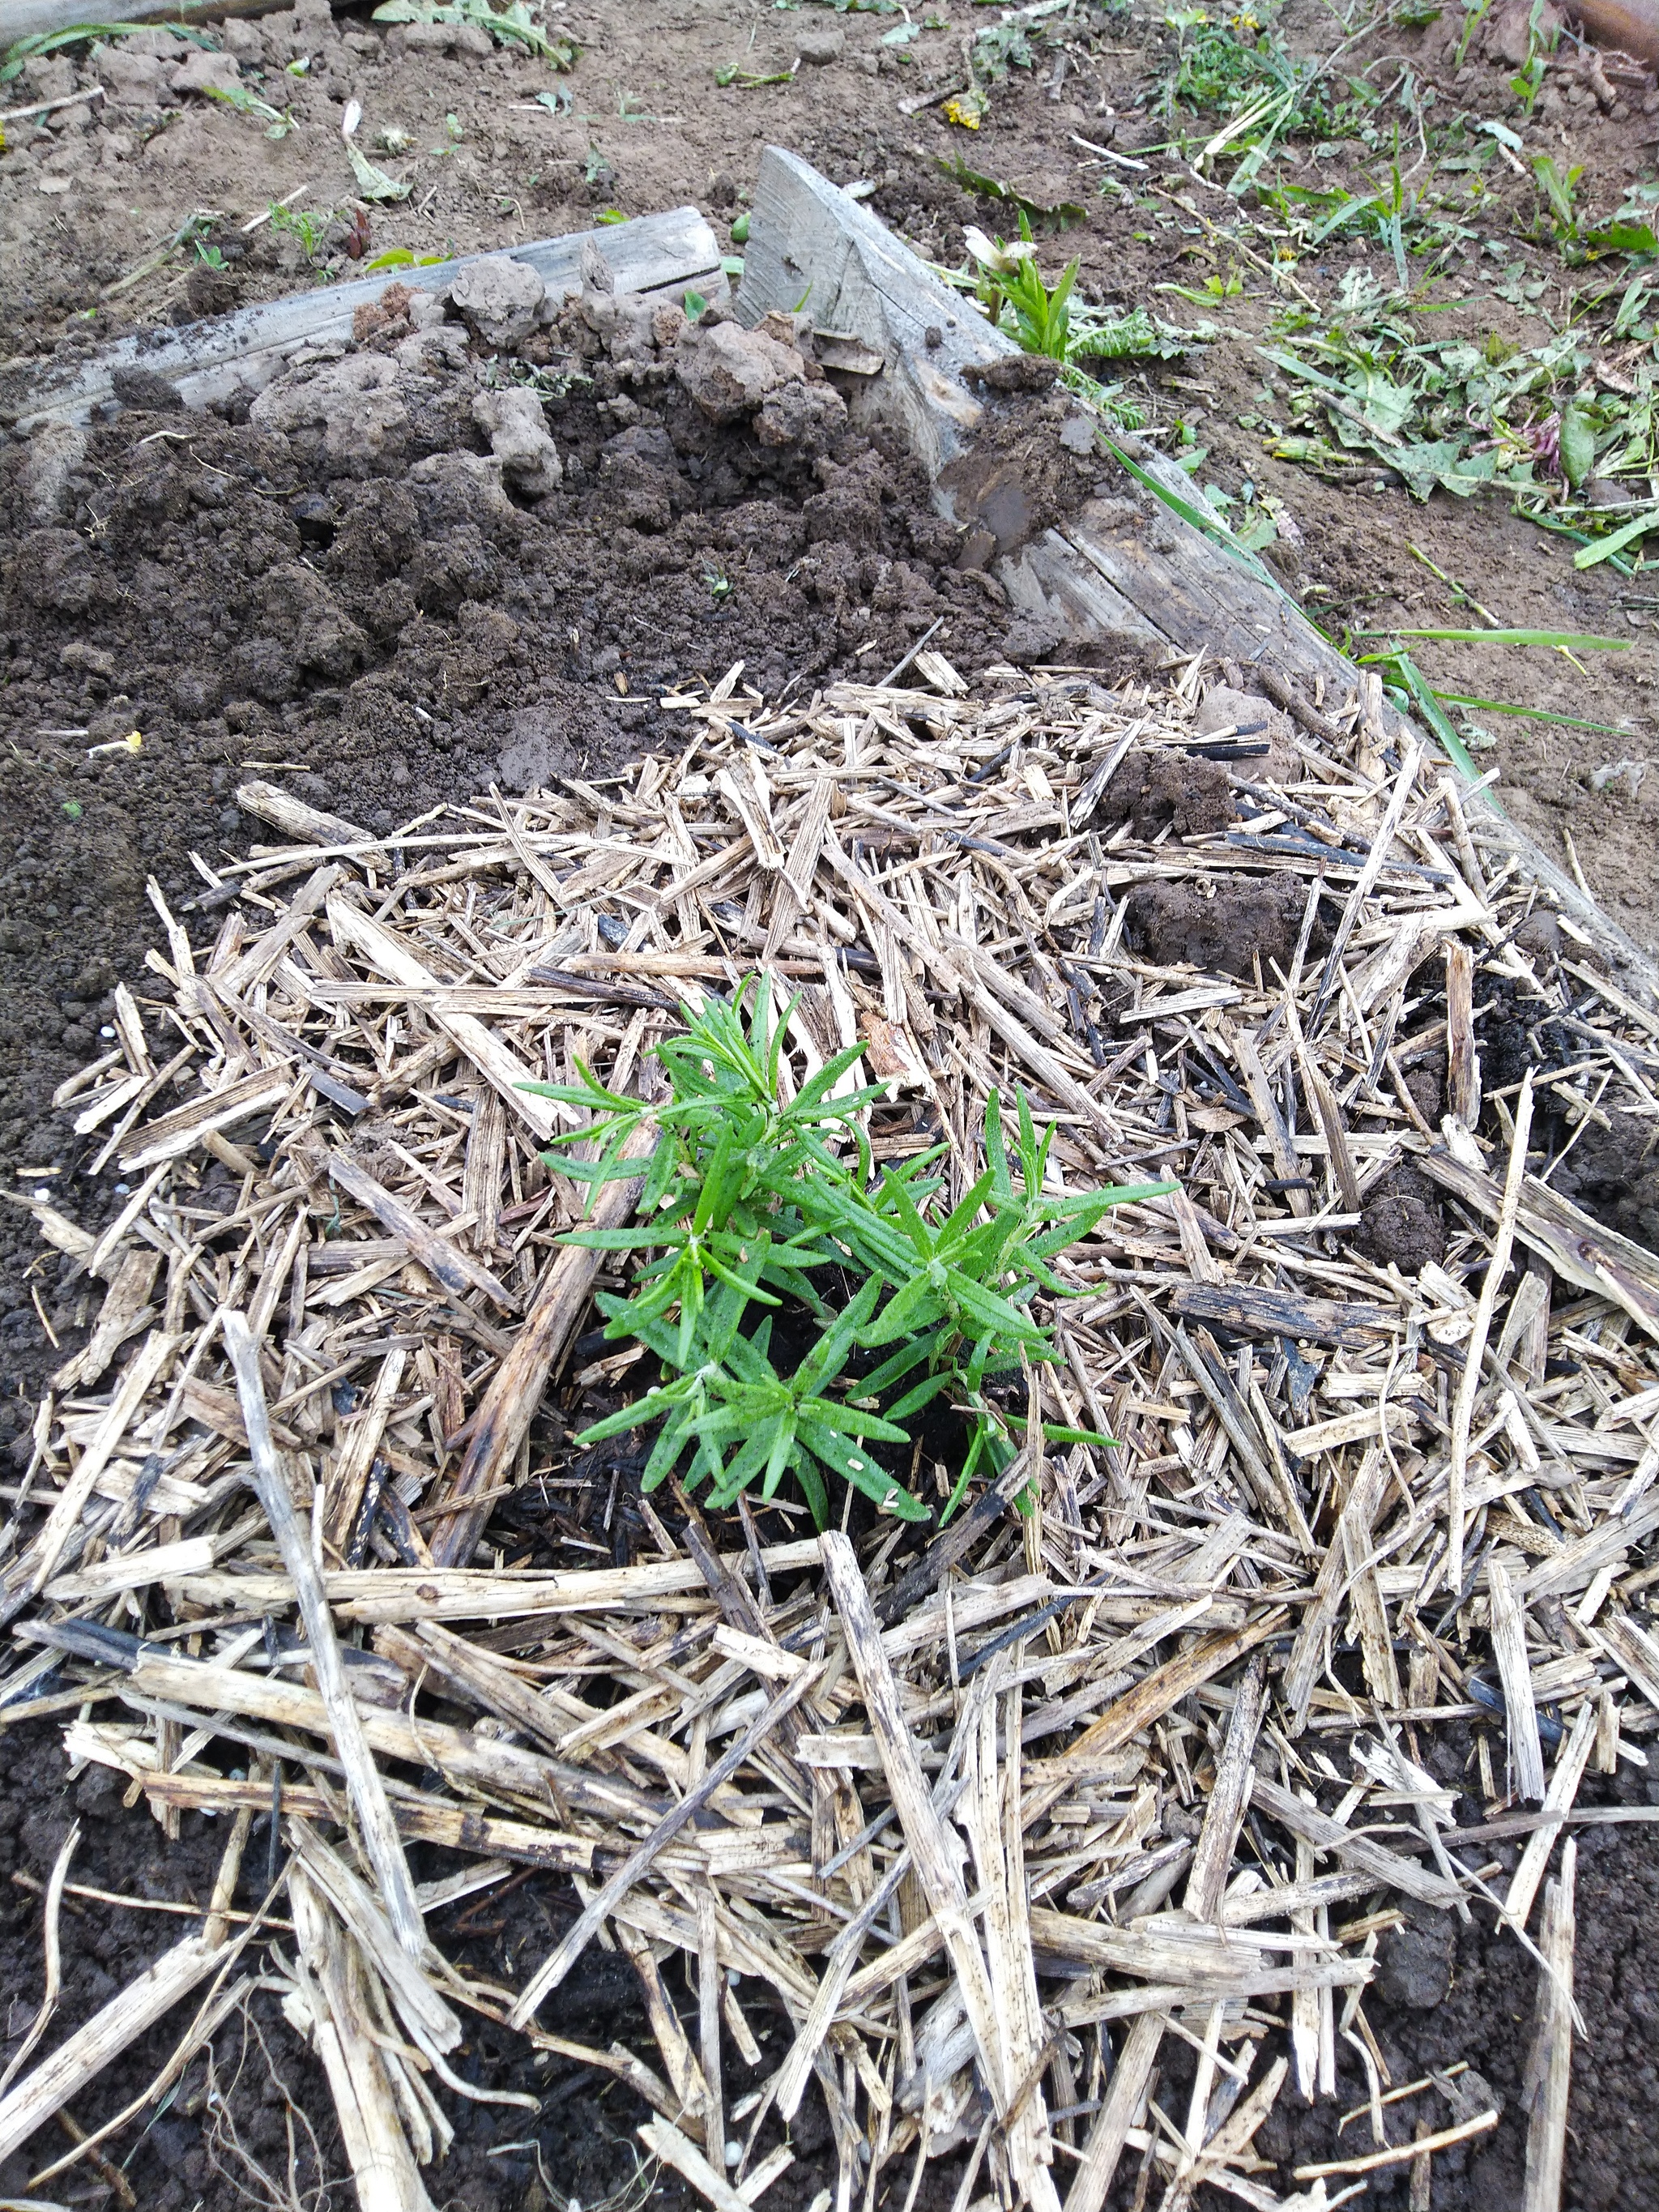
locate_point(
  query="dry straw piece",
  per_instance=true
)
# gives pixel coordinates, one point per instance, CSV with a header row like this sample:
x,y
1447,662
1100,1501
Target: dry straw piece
x,y
977,1828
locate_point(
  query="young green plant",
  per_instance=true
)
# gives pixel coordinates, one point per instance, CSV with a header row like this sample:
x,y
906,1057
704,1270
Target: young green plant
x,y
760,1210
1010,289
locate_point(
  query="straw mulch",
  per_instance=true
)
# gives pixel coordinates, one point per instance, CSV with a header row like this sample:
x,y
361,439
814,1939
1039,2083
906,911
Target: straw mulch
x,y
963,1832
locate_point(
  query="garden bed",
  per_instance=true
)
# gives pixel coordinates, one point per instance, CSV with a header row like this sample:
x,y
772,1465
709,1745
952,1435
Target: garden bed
x,y
1265,1640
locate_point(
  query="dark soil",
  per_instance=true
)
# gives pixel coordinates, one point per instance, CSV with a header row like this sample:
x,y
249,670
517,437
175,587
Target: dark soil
x,y
1242,917
384,629
1445,1994
1612,1173
1187,796
1401,1223
384,639
152,617
265,2099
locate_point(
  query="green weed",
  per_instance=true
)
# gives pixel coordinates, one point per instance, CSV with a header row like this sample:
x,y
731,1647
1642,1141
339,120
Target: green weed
x,y
1213,290
512,26
1560,641
374,184
1005,280
999,47
1474,13
1109,401
1409,219
551,382
402,257
40,43
1236,68
1008,284
1527,714
1560,188
1457,416
758,1208
1411,690
1138,335
732,75
1559,220
193,233
1542,41
309,226
991,52
279,121
1053,214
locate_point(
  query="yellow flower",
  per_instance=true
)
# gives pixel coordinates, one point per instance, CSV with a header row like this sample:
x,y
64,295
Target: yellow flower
x,y
965,109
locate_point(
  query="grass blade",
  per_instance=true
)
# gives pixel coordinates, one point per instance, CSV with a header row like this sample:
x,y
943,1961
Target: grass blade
x,y
1602,548
1435,715
1207,521
1571,640
1532,713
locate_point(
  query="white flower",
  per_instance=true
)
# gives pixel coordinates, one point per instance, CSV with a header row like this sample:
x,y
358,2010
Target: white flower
x,y
1002,260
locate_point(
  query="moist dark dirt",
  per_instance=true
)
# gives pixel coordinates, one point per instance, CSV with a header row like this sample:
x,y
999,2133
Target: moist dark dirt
x,y
398,640
384,643
498,148
1241,919
263,2102
1613,1173
382,628
1446,1995
1189,797
1401,1223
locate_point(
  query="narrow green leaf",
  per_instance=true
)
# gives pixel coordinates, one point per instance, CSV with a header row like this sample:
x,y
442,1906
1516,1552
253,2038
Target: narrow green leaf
x,y
1571,640
1434,715
1531,714
1602,548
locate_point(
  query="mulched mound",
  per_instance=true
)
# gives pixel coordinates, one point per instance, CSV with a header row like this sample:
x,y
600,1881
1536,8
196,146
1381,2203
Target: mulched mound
x,y
1119,1839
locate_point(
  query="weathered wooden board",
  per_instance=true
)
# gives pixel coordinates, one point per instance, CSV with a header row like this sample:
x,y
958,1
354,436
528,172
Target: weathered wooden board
x,y
29,19
213,359
812,249
1128,569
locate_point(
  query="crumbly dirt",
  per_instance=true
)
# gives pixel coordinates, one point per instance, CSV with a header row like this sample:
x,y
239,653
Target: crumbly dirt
x,y
1446,1995
1188,797
1613,1173
222,589
643,124
1242,918
263,2102
1401,1223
